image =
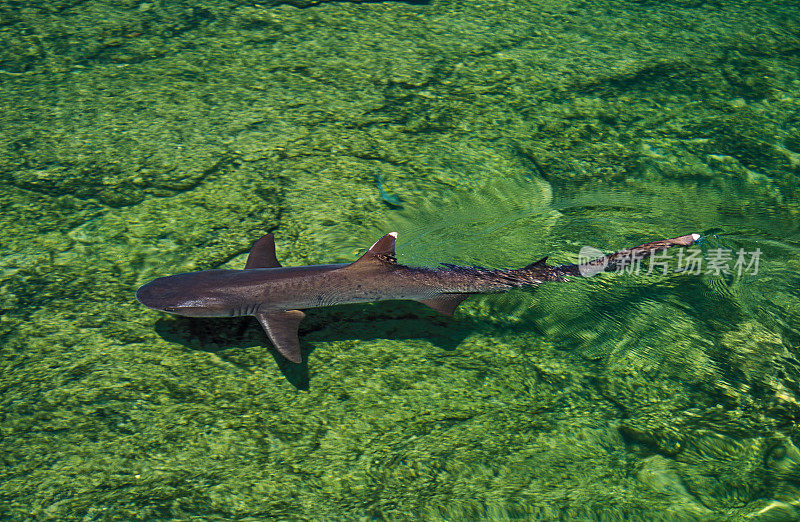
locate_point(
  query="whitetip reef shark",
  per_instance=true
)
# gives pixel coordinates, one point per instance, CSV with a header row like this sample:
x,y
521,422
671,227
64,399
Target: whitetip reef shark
x,y
276,295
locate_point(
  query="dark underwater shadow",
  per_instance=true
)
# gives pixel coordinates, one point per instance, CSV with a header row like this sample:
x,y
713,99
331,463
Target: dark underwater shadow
x,y
229,338
395,320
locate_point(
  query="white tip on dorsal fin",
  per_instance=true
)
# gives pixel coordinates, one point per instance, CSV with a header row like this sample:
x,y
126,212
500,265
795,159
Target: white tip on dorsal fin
x,y
385,245
382,250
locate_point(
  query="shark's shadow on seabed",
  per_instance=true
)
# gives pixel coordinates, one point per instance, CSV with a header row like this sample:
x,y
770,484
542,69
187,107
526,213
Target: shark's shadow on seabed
x,y
236,340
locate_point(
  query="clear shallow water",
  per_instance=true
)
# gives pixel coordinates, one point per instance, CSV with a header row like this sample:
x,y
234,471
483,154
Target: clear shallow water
x,y
171,137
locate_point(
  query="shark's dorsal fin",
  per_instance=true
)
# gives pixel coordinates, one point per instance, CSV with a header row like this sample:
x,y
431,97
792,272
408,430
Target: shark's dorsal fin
x,y
445,303
262,255
281,327
542,263
382,251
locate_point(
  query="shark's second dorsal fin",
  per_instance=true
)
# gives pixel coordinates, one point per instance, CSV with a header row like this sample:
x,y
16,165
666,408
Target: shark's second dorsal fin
x,y
281,327
262,255
382,251
542,263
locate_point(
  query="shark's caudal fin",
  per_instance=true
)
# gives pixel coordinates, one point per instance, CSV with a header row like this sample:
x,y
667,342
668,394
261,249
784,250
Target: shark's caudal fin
x,y
619,260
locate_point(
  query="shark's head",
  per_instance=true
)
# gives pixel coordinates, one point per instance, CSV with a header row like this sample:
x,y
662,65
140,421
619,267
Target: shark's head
x,y
187,294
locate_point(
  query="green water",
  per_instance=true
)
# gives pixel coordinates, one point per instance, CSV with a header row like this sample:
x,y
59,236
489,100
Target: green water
x,y
141,139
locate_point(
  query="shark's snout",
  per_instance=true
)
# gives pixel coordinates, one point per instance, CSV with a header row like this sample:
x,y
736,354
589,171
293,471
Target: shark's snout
x,y
185,294
154,295
167,294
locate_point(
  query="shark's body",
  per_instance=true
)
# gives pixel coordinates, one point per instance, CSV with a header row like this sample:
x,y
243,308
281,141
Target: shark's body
x,y
275,295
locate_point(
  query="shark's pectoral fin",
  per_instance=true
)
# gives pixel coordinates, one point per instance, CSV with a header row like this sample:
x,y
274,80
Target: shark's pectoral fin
x,y
445,303
262,255
281,327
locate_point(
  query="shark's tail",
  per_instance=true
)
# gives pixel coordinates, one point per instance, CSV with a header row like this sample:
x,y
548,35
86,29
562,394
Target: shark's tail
x,y
619,261
468,280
